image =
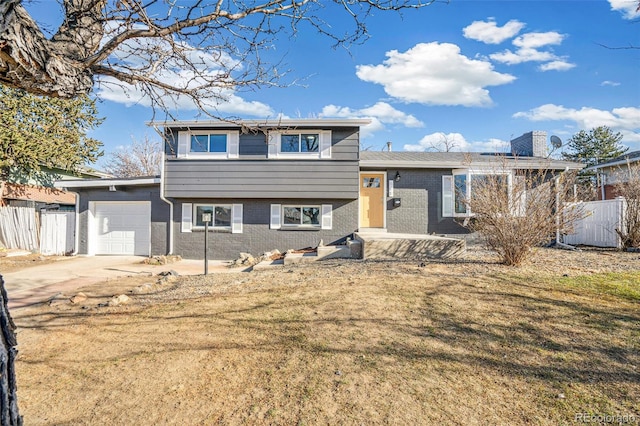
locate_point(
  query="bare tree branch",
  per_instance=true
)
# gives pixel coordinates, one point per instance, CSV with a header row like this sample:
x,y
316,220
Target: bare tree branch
x,y
141,158
202,50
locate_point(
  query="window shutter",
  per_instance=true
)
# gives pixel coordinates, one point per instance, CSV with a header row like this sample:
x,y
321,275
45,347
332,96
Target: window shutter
x,y
273,140
447,196
325,144
327,216
187,217
275,216
234,144
183,144
236,219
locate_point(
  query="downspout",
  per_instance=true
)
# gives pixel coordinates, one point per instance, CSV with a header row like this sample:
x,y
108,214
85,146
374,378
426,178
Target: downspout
x,y
162,197
76,243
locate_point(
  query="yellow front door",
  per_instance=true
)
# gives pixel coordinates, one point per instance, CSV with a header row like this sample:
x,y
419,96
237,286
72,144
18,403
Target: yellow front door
x,y
372,200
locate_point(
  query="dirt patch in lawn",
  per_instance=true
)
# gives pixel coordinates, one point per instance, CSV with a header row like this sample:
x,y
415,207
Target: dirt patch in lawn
x,y
16,263
344,342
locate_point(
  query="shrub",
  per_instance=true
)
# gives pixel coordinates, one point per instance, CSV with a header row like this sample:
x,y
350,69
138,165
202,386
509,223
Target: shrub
x,y
514,214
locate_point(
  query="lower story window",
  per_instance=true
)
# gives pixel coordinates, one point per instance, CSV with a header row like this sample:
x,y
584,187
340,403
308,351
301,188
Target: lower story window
x,y
301,215
220,215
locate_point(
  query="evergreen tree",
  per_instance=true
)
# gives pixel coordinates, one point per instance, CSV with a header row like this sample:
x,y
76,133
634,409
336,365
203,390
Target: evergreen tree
x,y
594,147
40,132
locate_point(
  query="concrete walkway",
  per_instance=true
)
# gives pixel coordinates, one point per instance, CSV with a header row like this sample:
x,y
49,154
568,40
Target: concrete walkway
x,y
36,284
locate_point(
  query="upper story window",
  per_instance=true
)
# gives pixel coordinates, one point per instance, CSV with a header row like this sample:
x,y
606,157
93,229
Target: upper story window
x,y
302,142
208,144
299,144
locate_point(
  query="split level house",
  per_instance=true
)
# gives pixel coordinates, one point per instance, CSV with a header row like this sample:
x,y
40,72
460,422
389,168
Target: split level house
x,y
286,184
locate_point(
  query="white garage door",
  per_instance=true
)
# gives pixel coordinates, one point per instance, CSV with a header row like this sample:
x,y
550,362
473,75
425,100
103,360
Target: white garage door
x,y
122,228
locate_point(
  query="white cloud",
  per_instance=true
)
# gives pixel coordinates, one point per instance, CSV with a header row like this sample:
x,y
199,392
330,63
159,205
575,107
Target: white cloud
x,y
457,143
537,40
528,50
522,55
628,8
625,120
435,74
226,101
380,114
610,83
490,33
558,65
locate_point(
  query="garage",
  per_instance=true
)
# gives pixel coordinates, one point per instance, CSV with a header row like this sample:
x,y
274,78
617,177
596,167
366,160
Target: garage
x,y
120,228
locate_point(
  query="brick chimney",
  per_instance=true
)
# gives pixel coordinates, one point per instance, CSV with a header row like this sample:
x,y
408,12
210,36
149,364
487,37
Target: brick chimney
x,y
532,144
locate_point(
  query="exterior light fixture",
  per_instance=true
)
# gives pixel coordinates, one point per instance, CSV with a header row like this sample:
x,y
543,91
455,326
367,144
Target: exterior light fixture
x,y
397,178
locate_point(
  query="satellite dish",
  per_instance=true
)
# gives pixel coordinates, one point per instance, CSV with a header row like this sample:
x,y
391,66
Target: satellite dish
x,y
556,142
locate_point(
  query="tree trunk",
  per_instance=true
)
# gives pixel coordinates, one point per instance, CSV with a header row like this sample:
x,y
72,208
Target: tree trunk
x,y
28,60
9,415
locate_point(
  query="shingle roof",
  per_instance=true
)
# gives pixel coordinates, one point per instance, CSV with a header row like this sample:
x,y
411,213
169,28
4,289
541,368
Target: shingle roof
x,y
632,157
448,160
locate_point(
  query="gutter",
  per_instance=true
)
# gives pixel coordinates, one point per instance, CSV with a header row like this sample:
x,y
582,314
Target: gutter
x,y
162,197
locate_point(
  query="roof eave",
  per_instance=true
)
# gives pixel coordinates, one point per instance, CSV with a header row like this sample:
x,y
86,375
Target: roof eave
x,y
104,183
262,123
476,164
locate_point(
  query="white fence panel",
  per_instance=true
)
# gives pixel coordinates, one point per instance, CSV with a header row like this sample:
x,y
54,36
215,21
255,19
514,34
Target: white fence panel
x,y
19,228
598,226
57,233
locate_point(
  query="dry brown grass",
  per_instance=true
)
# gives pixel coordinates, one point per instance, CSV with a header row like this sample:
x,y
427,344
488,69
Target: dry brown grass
x,y
346,343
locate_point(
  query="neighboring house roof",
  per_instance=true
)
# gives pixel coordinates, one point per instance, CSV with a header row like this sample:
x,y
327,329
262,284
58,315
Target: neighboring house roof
x,y
105,183
284,123
454,160
629,157
40,194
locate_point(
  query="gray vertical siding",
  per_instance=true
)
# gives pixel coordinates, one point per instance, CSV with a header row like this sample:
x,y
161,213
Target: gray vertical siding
x,y
159,213
257,237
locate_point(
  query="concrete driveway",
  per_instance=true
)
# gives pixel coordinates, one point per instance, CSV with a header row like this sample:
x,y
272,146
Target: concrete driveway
x,y
38,283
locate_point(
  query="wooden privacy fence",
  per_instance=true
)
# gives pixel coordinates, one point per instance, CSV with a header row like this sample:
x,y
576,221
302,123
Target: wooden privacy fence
x,y
599,223
50,232
57,233
19,228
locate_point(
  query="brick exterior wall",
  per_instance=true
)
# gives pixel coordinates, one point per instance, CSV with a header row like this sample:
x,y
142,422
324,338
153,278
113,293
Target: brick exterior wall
x,y
420,212
257,237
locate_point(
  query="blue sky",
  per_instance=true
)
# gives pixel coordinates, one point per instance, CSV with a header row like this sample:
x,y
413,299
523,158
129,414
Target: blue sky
x,y
475,73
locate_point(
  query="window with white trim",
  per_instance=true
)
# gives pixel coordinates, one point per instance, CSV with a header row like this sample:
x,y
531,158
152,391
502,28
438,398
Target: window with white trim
x,y
220,216
208,143
300,144
225,217
301,216
457,189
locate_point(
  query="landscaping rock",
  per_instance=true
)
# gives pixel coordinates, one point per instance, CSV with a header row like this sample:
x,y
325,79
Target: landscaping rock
x,y
144,288
119,300
78,298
